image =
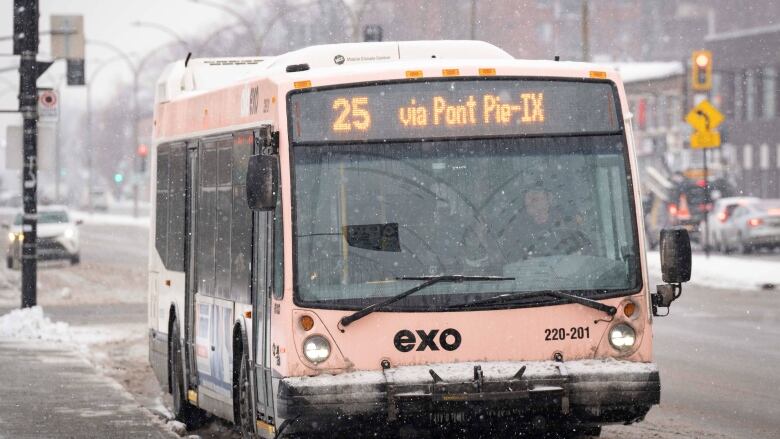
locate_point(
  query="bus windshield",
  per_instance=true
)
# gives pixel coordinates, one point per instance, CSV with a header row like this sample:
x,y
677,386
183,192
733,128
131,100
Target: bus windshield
x,y
554,213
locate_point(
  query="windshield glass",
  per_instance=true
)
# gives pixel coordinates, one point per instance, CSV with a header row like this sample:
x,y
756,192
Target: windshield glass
x,y
555,213
48,217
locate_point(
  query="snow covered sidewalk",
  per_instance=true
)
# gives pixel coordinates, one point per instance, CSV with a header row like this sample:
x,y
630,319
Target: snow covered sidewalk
x,y
727,272
48,387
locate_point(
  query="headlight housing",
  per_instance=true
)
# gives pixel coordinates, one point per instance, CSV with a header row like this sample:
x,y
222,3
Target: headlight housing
x,y
316,349
622,337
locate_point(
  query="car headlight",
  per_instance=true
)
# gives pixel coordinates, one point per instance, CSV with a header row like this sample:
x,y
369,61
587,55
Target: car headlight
x,y
622,337
316,349
11,236
69,233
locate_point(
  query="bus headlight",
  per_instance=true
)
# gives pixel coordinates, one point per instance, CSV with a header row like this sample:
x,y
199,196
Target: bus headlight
x,y
622,337
316,349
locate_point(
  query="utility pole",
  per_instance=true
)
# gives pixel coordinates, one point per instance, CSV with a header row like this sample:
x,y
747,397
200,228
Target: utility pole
x,y
26,41
585,32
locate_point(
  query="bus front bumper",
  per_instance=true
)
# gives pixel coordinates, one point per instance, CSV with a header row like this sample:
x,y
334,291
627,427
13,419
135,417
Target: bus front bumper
x,y
585,392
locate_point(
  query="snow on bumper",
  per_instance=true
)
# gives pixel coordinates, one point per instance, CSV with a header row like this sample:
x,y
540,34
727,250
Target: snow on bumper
x,y
590,391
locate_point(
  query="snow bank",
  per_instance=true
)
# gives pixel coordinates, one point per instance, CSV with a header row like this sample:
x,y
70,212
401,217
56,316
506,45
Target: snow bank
x,y
720,271
645,71
30,323
109,219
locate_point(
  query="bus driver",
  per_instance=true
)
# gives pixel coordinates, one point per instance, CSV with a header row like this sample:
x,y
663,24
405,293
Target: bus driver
x,y
545,232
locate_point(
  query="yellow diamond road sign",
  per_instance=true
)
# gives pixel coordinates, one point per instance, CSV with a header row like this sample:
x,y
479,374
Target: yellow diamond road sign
x,y
705,139
704,117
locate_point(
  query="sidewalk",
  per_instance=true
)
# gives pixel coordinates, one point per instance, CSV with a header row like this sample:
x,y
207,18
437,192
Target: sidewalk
x,y
49,391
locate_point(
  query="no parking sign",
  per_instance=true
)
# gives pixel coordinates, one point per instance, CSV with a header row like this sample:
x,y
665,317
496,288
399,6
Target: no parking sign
x,y
48,105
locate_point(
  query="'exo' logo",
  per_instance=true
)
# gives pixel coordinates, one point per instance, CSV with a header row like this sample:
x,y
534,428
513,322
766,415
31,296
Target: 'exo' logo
x,y
405,340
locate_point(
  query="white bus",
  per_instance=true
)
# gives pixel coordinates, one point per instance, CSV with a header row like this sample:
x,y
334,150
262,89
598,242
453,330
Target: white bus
x,y
402,235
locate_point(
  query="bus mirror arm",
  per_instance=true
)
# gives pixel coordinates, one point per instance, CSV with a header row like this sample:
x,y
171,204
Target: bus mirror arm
x,y
663,298
262,182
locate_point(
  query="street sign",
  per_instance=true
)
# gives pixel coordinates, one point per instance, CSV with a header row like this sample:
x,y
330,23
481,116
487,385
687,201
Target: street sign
x,y
14,159
75,72
705,139
48,105
704,117
67,36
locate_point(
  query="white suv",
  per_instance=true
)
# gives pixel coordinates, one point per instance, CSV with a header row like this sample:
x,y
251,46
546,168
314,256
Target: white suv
x,y
58,236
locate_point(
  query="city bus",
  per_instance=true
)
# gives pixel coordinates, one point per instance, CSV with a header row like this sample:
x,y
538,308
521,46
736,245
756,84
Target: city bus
x,y
410,238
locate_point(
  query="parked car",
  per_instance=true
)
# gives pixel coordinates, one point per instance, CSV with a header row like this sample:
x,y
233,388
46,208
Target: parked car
x,y
718,218
753,226
58,236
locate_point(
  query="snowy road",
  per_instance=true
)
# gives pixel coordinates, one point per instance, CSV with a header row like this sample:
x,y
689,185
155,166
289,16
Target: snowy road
x,y
718,351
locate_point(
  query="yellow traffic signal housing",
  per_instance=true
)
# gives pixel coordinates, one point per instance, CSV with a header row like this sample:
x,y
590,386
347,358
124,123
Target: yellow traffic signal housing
x,y
701,70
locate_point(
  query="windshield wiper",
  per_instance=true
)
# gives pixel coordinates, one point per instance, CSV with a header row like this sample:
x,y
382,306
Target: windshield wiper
x,y
590,303
428,281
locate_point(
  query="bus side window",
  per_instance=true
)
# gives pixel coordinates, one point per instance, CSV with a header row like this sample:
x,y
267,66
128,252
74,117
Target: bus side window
x,y
161,208
278,267
241,232
222,251
176,207
206,220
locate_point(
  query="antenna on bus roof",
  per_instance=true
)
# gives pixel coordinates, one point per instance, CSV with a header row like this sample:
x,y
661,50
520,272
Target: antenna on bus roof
x,y
557,57
187,60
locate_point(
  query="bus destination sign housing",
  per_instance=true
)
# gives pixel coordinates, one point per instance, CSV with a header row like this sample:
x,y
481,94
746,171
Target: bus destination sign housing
x,y
453,108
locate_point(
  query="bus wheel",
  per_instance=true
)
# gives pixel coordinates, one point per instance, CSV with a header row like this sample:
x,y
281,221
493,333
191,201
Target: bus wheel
x,y
245,412
183,411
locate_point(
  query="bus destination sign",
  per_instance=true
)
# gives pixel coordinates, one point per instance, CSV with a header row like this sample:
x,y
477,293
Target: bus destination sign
x,y
440,109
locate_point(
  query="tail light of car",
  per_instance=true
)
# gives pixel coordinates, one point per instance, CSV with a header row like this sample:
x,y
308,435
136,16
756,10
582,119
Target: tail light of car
x,y
755,222
672,209
723,216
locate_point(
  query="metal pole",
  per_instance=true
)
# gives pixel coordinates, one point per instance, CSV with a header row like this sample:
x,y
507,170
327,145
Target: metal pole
x,y
28,106
57,156
89,150
706,203
134,159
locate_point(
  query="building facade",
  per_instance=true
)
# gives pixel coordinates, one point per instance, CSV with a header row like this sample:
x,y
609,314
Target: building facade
x,y
745,88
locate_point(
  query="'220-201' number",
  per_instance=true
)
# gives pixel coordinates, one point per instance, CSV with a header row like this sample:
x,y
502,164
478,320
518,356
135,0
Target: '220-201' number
x,y
574,333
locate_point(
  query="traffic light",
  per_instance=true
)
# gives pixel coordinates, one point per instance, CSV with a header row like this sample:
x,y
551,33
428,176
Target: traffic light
x,y
118,178
142,152
25,26
701,70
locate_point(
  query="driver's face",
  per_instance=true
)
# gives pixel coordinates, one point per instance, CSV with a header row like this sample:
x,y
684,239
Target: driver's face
x,y
537,204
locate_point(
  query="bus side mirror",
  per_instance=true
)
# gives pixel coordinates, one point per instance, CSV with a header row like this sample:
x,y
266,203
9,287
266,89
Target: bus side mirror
x,y
675,268
262,182
675,255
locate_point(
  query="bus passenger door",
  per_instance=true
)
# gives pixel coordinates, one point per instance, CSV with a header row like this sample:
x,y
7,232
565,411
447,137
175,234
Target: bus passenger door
x,y
190,282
